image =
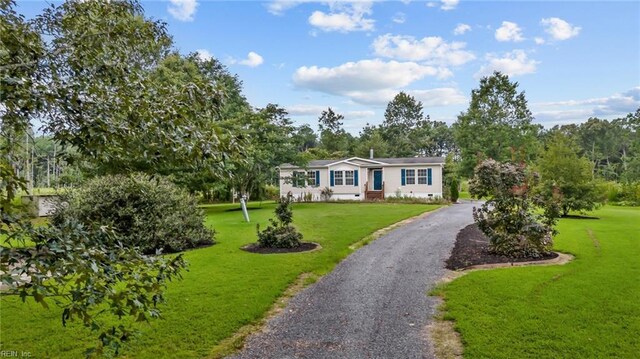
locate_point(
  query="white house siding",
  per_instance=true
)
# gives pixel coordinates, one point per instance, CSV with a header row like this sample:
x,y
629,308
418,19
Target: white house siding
x,y
391,176
393,181
348,192
286,186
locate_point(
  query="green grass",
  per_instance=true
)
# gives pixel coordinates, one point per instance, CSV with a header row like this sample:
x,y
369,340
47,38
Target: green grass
x,y
589,308
225,288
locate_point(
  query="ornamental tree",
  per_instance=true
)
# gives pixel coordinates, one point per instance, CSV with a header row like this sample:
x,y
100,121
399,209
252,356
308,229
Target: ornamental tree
x,y
508,217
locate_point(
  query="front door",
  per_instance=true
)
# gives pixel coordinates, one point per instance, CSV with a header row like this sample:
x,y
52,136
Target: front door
x,y
377,180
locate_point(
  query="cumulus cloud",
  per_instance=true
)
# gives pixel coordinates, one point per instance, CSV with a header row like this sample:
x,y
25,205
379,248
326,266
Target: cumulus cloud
x,y
365,81
359,114
433,50
509,31
539,40
430,98
182,10
204,55
573,111
344,17
461,29
559,29
512,63
252,60
399,18
449,4
278,7
305,110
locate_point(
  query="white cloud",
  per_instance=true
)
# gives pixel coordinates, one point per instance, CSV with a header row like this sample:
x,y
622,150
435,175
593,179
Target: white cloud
x,y
509,31
278,7
430,98
204,55
433,50
365,81
365,74
305,110
513,63
439,96
252,60
449,4
461,29
344,17
182,10
539,40
399,18
559,29
576,111
359,114
432,4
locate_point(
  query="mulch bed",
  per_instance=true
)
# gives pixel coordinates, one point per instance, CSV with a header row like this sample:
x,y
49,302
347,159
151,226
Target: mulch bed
x,y
472,248
303,247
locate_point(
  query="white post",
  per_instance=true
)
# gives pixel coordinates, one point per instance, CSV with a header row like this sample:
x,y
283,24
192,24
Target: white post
x,y
243,202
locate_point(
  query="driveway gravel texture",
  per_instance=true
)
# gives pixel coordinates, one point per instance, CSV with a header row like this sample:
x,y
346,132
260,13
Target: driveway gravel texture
x,y
375,303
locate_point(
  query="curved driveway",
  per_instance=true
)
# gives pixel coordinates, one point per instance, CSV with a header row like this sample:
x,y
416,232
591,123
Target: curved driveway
x,y
374,304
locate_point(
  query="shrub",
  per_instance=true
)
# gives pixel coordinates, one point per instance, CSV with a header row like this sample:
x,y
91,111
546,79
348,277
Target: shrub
x,y
280,234
150,213
326,193
271,192
508,217
454,193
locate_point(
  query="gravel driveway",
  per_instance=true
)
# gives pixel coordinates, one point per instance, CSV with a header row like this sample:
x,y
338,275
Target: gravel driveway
x,y
374,304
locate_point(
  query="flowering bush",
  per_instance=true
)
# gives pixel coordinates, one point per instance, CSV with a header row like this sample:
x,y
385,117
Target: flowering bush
x,y
508,217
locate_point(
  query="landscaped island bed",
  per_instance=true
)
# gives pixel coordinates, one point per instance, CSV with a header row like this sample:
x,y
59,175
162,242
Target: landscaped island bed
x,y
224,289
472,248
587,308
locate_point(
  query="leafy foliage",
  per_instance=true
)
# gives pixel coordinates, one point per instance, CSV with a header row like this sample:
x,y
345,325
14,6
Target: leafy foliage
x,y
333,138
508,216
85,270
496,125
280,233
567,176
454,192
151,214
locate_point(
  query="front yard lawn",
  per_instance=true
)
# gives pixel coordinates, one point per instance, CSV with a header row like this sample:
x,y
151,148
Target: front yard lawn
x,y
589,308
224,289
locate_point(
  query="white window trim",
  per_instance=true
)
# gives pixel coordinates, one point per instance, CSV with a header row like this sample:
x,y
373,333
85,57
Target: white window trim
x,y
335,178
311,178
407,177
425,177
347,178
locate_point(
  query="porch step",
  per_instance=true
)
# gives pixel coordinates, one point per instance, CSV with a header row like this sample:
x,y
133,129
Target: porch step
x,y
374,195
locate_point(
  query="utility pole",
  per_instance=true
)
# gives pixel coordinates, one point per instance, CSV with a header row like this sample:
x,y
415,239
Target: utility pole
x,y
48,171
26,158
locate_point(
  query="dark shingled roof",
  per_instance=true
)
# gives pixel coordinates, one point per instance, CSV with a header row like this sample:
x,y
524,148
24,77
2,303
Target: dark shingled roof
x,y
390,161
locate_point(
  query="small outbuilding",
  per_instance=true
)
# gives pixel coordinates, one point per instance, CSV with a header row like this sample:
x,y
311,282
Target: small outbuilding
x,y
358,178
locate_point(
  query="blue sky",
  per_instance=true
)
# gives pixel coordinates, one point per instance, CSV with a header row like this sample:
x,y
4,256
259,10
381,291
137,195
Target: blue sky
x,y
573,59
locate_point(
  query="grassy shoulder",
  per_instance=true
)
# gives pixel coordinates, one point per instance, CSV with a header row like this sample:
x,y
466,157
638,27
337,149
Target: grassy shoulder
x,y
225,288
585,309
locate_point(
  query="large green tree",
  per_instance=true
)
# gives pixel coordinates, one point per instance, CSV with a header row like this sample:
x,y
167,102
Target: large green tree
x,y
333,138
405,127
497,124
565,176
102,79
119,96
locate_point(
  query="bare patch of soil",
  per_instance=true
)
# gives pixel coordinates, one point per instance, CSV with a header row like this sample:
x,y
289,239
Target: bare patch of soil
x,y
303,247
472,249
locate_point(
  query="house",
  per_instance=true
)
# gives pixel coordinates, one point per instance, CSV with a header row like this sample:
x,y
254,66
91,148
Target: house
x,y
358,178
